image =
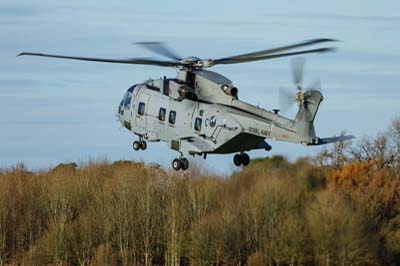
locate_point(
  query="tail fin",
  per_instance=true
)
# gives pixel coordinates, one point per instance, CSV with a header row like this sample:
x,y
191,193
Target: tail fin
x,y
304,121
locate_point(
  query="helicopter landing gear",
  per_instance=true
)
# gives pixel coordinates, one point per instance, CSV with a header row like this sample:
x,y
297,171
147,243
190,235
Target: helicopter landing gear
x,y
177,164
237,159
241,159
141,144
136,145
180,163
185,163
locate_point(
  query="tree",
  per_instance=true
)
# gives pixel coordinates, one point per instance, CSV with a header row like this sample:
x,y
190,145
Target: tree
x,y
208,246
339,233
176,219
291,243
148,198
273,222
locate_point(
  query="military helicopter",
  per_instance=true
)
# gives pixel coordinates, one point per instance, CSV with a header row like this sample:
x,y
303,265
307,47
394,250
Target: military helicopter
x,y
199,112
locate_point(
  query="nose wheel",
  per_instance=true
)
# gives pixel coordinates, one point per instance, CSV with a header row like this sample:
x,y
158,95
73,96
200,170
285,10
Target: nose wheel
x,y
139,145
241,159
180,163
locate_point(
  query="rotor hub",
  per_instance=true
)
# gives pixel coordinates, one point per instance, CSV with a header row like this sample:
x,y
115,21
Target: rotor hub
x,y
191,59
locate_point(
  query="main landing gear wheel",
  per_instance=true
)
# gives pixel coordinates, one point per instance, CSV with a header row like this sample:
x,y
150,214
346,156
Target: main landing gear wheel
x,y
143,144
179,164
185,164
241,158
139,145
237,159
245,159
136,145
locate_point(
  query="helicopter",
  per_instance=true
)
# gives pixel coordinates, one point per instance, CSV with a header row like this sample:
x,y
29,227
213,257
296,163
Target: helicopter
x,y
198,112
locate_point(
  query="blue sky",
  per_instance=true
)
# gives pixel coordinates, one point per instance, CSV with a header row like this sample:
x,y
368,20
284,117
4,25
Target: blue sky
x,y
54,111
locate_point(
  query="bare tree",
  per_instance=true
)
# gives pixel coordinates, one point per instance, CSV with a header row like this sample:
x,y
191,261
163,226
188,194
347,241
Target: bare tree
x,y
4,222
176,221
149,205
272,222
336,155
121,213
291,243
338,232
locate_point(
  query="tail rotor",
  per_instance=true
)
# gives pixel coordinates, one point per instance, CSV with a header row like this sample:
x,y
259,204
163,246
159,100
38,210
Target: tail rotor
x,y
288,98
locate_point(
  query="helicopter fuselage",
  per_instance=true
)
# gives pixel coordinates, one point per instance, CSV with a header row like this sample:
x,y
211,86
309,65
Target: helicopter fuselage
x,y
202,115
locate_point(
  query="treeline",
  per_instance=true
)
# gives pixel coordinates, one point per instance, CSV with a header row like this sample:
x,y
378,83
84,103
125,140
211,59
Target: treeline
x,y
340,208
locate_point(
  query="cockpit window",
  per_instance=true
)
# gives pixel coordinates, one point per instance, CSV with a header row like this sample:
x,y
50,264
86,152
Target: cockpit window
x,y
132,88
128,98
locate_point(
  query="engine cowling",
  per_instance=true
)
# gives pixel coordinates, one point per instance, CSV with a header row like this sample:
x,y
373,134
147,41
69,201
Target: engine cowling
x,y
231,91
180,91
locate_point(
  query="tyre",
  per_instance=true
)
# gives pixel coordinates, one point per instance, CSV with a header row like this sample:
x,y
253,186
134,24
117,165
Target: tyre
x,y
237,159
245,159
185,163
143,145
136,145
177,164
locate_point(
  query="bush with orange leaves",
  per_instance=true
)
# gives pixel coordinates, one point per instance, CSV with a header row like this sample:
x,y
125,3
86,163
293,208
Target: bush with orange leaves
x,y
369,186
369,175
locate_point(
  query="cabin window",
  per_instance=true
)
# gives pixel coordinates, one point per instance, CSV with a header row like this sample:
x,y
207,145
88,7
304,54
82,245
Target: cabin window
x,y
172,117
141,108
197,124
161,114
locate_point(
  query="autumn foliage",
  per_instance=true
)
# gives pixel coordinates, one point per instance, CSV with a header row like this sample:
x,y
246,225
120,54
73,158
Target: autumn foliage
x,y
339,208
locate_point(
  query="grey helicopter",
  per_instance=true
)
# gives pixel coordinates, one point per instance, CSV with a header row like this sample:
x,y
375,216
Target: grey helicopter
x,y
198,112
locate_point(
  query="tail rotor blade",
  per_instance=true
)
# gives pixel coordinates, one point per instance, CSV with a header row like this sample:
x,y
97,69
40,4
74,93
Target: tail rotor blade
x,y
298,70
316,85
286,99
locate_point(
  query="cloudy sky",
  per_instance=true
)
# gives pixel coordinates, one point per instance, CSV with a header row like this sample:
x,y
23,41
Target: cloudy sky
x,y
54,111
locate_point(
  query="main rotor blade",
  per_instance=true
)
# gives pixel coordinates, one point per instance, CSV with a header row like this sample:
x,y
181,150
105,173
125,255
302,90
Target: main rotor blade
x,y
267,57
279,49
161,49
138,61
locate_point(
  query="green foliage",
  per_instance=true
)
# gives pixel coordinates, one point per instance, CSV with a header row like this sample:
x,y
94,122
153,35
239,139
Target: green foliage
x,y
274,161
